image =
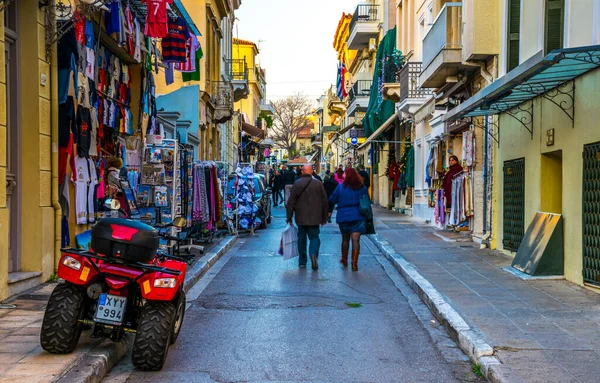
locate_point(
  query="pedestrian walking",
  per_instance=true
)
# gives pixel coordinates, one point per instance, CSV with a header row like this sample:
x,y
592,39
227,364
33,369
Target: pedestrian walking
x,y
339,175
352,224
316,176
365,176
308,201
288,180
330,185
277,187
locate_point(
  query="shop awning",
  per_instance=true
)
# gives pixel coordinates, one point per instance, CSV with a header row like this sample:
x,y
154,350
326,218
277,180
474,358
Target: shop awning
x,y
253,130
380,130
550,76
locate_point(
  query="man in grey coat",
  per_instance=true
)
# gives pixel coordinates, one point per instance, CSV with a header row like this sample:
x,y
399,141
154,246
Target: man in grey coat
x,y
308,200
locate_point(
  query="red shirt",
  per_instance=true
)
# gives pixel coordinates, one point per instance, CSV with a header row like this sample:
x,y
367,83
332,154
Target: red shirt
x,y
156,18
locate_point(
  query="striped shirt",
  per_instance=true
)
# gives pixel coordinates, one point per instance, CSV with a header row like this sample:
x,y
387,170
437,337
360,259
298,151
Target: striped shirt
x,y
174,44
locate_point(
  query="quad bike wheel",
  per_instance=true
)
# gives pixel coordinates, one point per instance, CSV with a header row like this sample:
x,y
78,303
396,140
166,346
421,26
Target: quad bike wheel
x,y
153,336
179,314
61,327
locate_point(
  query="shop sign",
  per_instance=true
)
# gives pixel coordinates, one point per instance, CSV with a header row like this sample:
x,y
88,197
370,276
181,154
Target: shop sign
x,y
154,139
359,140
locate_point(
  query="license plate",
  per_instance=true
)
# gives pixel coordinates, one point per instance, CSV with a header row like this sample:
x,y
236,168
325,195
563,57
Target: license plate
x,y
111,309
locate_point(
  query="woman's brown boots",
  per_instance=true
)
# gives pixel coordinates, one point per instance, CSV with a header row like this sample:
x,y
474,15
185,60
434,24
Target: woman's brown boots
x,y
344,259
355,260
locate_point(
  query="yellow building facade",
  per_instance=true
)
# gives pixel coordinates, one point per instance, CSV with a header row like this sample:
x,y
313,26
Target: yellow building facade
x,y
29,238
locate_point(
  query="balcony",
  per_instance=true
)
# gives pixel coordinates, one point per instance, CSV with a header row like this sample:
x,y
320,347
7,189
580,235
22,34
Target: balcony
x,y
238,73
358,97
442,48
221,97
267,108
411,95
363,26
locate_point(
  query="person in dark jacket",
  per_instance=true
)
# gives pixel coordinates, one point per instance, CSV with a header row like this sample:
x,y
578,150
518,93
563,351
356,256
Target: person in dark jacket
x,y
289,177
316,176
330,185
365,176
308,201
352,224
277,186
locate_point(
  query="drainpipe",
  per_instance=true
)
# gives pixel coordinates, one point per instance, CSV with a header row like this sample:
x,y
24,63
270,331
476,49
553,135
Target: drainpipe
x,y
54,138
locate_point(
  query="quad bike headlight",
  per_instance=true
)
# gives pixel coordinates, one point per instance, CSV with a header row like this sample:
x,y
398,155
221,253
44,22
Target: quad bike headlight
x,y
166,283
71,262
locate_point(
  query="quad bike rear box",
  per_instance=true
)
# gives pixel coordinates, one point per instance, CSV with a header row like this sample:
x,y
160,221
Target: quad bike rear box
x,y
125,239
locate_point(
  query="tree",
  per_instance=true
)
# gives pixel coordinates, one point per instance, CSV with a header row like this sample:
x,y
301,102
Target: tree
x,y
289,118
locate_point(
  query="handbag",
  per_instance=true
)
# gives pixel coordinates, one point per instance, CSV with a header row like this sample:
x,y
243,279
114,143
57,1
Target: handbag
x,y
364,206
370,227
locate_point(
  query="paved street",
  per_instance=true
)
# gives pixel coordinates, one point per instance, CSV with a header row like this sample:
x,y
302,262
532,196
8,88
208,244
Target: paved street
x,y
257,318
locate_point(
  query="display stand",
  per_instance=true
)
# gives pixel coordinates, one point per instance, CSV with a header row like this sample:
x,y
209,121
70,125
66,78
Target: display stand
x,y
158,196
244,198
223,172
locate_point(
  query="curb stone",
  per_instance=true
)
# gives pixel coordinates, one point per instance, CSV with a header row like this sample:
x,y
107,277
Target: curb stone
x,y
94,366
468,339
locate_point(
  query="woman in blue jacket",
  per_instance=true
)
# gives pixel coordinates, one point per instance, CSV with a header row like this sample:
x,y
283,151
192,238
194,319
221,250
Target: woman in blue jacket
x,y
352,223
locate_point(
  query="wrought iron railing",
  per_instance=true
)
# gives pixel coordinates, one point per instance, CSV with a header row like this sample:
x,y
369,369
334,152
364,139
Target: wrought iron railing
x,y
446,32
361,88
409,82
364,13
221,94
238,69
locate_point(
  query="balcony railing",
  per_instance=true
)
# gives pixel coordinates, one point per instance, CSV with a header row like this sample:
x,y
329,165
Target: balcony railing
x,y
361,88
364,13
221,95
238,69
409,82
446,32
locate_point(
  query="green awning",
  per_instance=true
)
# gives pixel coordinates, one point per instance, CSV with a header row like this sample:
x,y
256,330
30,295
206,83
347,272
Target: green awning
x,y
380,110
548,76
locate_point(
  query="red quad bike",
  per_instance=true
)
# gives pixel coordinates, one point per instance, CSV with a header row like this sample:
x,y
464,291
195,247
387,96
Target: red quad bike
x,y
123,285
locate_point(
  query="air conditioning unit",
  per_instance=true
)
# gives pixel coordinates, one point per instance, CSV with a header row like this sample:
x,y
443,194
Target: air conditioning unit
x,y
372,45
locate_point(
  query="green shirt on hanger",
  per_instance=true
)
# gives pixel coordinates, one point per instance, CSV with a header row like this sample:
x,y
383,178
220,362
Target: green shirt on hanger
x,y
194,76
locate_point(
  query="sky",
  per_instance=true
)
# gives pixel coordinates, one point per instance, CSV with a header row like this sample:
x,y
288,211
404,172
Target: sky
x,y
297,42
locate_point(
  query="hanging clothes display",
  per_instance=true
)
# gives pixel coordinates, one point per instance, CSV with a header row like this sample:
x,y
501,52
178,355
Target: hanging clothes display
x,y
244,197
97,129
207,198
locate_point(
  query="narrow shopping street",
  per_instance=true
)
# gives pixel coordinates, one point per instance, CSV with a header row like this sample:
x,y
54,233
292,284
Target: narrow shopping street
x,y
257,318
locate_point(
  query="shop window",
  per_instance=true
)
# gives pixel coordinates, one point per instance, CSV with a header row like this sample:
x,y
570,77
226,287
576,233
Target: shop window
x,y
514,34
554,25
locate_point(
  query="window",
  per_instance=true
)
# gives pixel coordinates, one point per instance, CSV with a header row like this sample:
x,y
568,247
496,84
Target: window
x,y
514,33
554,25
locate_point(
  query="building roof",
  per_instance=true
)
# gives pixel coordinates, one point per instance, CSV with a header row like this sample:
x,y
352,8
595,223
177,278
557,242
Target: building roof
x,y
306,132
244,42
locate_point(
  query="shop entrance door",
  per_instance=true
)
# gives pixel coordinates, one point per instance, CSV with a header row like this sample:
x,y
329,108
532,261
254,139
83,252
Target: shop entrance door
x,y
591,213
514,204
13,136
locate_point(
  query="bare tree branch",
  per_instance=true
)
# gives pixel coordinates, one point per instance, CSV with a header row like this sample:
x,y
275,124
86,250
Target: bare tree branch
x,y
290,117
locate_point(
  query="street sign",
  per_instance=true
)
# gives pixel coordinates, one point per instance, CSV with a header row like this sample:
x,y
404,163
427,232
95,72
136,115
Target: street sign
x,y
354,140
353,133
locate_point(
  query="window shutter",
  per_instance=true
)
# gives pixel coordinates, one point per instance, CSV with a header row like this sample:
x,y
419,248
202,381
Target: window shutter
x,y
554,24
514,33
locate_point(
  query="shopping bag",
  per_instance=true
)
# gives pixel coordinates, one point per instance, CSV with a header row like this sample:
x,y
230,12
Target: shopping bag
x,y
289,237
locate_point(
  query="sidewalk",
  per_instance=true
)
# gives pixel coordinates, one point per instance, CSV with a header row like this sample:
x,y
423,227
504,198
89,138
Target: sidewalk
x,y
22,359
540,330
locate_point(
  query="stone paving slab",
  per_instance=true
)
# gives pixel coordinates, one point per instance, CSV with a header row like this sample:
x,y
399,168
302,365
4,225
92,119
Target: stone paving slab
x,y
540,330
22,359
